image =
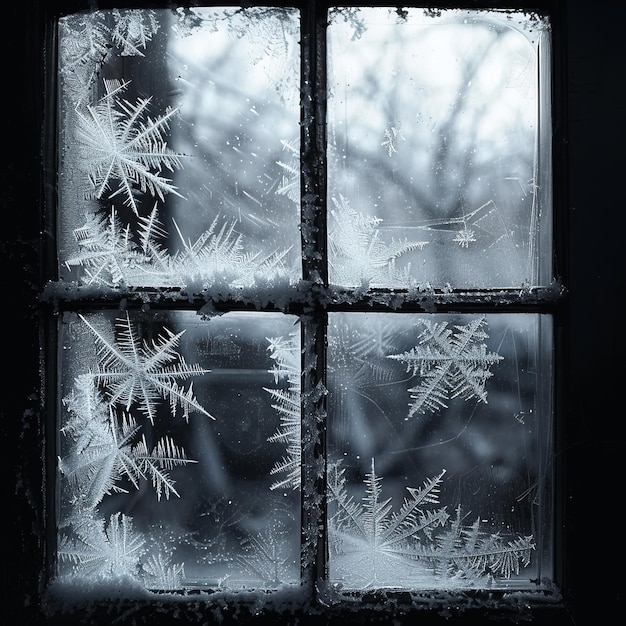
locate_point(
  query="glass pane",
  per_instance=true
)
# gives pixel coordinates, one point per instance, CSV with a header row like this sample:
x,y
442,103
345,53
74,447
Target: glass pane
x,y
439,158
439,450
176,447
178,146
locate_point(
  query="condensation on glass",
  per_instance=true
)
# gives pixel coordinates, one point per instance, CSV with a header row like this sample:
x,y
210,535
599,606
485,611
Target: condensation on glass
x,y
439,149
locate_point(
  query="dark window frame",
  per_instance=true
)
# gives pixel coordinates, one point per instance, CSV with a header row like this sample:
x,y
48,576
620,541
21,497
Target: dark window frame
x,y
28,416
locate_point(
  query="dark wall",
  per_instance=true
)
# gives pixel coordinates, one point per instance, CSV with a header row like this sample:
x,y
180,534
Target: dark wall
x,y
595,209
591,199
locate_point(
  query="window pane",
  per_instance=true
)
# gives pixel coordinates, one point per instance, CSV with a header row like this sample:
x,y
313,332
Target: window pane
x,y
179,140
175,449
438,156
439,450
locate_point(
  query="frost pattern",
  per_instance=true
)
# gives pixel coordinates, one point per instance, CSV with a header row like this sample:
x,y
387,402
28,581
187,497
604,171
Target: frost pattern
x,y
267,28
125,152
111,254
375,546
391,138
266,556
119,142
120,150
133,371
290,184
106,452
133,30
451,362
113,550
358,256
286,355
107,251
88,39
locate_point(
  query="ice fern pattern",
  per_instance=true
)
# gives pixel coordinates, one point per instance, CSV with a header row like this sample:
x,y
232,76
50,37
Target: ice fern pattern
x,y
358,256
286,356
119,155
88,39
106,450
107,251
133,371
111,255
266,556
115,551
417,545
451,362
126,229
120,142
102,550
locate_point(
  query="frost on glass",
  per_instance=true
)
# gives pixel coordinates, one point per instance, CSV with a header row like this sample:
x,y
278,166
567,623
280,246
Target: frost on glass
x,y
178,132
438,148
439,451
173,466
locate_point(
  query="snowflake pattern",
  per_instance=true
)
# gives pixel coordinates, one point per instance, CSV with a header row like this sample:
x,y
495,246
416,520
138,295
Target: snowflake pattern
x,y
109,551
105,449
132,371
120,143
452,362
464,237
373,546
391,138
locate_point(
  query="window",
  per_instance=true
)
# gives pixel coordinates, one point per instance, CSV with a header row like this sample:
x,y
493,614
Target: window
x,y
304,334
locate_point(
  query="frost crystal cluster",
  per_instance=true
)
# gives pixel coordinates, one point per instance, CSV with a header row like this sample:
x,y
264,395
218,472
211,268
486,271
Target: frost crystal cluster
x,y
375,546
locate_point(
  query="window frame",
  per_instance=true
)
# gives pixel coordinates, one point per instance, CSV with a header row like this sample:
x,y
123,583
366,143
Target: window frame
x,y
312,181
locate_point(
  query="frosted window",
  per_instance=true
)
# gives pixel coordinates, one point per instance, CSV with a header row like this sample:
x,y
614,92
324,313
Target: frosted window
x,y
439,433
439,162
179,141
172,470
231,182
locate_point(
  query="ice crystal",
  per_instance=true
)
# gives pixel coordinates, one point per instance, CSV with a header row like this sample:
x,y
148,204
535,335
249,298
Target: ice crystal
x,y
105,450
290,184
131,370
107,250
286,355
132,30
374,544
451,362
113,255
159,573
464,237
358,255
391,138
83,47
219,253
467,553
119,142
89,38
417,545
113,550
267,557
486,221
